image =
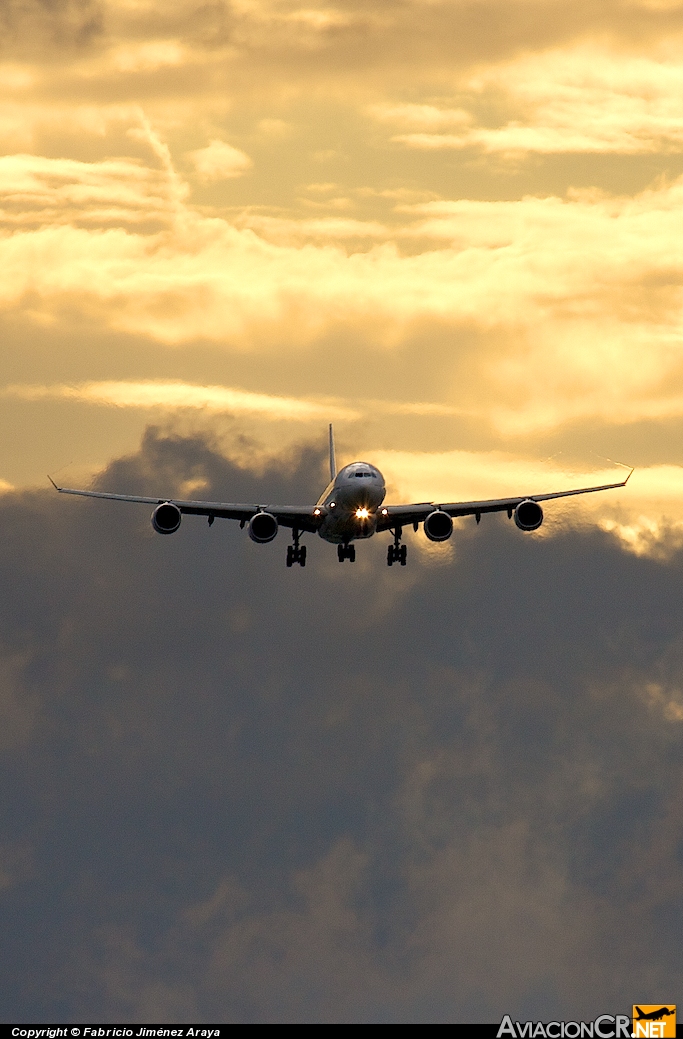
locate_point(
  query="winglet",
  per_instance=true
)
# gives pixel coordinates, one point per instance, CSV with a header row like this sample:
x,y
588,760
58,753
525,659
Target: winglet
x,y
333,457
622,465
52,482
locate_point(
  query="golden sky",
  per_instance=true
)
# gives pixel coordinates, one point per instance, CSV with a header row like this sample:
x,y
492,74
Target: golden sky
x,y
235,791
451,227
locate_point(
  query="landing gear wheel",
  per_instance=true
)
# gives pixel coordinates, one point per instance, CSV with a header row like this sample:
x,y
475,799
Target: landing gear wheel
x,y
351,552
397,553
341,553
296,553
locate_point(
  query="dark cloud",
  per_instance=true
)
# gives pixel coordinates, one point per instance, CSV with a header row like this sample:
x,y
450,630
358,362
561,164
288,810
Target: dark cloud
x,y
30,25
386,36
238,792
307,42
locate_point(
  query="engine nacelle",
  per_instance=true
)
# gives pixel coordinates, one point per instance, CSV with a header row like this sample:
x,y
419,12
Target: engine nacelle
x,y
528,515
262,528
438,526
166,518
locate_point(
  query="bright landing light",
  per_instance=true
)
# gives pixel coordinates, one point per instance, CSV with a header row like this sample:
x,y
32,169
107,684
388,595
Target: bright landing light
x,y
362,513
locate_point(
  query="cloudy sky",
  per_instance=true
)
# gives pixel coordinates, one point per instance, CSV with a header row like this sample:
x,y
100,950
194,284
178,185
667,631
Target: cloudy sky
x,y
453,227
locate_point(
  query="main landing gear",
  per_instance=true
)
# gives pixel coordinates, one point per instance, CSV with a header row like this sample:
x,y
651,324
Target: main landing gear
x,y
346,552
296,553
397,553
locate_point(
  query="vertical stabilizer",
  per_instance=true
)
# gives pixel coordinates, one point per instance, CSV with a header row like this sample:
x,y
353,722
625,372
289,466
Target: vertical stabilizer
x,y
333,457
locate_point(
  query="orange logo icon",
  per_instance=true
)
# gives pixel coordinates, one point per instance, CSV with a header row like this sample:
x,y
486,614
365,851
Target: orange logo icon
x,y
654,1021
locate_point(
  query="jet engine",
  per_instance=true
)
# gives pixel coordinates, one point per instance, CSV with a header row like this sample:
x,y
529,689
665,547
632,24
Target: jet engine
x,y
262,528
166,518
438,526
528,515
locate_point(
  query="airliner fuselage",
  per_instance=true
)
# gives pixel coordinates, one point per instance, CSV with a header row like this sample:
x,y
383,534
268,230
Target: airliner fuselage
x,y
351,502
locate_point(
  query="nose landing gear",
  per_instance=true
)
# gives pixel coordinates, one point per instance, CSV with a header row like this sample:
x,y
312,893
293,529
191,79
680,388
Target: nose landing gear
x,y
346,552
397,553
296,553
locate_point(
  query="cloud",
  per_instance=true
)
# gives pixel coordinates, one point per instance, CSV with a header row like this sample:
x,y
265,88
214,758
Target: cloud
x,y
490,256
149,56
668,701
275,127
342,793
29,25
176,394
570,289
37,190
585,99
470,475
422,117
220,161
369,50
285,231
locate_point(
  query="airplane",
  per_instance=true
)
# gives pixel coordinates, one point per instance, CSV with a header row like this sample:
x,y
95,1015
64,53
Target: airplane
x,y
350,509
654,1015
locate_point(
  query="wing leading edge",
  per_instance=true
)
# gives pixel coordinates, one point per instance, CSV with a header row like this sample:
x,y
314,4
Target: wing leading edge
x,y
399,515
301,517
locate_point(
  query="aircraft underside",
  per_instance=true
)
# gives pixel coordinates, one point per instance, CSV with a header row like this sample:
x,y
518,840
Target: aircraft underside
x,y
345,526
355,524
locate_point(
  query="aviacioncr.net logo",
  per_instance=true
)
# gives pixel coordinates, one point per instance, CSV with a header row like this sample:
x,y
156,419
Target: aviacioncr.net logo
x,y
607,1026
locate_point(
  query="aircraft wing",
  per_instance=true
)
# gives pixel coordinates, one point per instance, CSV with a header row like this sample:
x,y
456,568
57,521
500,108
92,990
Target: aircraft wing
x,y
402,515
303,517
